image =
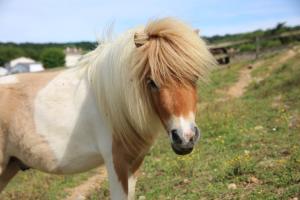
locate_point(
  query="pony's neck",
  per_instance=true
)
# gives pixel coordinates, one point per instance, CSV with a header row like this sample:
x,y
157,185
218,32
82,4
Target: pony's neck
x,y
119,94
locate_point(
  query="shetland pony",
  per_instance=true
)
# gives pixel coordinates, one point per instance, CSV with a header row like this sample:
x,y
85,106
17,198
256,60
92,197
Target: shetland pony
x,y
109,109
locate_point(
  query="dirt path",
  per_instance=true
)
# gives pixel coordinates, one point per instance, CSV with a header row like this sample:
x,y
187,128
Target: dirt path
x,y
239,87
245,78
82,191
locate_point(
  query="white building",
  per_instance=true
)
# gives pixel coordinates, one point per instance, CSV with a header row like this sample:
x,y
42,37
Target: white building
x,y
36,67
23,64
24,60
3,71
73,55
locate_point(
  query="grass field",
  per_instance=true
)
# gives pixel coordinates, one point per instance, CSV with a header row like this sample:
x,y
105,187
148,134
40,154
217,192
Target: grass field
x,y
250,146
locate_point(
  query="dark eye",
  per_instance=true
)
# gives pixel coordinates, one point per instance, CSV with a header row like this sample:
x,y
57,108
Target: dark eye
x,y
151,84
195,82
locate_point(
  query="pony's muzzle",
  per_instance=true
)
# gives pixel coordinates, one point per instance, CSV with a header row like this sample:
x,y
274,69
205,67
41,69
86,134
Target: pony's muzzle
x,y
183,142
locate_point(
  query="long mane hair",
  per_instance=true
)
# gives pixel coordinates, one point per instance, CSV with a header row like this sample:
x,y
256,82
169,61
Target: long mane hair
x,y
165,50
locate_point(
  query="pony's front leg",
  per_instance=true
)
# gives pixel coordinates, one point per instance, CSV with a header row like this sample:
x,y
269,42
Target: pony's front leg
x,y
131,186
118,179
122,170
121,186
135,165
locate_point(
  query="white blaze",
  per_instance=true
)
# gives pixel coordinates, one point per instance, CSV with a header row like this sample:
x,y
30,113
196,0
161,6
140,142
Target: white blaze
x,y
184,125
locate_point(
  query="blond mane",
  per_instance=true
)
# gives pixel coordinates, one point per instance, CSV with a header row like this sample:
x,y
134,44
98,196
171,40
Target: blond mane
x,y
165,50
172,51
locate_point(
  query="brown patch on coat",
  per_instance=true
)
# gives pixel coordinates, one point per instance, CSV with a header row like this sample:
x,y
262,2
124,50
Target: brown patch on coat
x,y
126,163
9,173
175,100
121,163
18,137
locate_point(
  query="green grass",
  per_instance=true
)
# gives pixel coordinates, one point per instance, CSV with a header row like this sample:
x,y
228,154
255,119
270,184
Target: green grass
x,y
265,67
252,142
35,185
221,78
247,141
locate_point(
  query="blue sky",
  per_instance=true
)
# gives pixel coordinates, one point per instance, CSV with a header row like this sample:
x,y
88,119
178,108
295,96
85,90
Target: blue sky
x,y
77,20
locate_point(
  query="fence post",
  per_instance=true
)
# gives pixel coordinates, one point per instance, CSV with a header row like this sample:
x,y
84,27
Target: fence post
x,y
257,47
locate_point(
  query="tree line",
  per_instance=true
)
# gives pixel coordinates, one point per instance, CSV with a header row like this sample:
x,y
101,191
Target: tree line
x,y
52,54
265,44
278,29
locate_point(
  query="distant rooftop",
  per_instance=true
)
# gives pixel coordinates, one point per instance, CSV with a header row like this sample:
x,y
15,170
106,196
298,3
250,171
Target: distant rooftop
x,y
73,51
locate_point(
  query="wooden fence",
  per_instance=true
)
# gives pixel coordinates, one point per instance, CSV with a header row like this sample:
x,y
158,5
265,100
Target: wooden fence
x,y
223,51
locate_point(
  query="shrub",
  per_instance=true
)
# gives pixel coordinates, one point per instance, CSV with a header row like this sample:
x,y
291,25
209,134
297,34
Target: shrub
x,y
9,53
53,57
270,43
247,47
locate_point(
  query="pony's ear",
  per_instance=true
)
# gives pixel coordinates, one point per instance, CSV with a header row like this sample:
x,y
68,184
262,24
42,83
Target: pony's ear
x,y
197,31
140,39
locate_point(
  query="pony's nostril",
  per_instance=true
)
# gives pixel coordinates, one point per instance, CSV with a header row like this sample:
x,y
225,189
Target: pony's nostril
x,y
175,136
196,132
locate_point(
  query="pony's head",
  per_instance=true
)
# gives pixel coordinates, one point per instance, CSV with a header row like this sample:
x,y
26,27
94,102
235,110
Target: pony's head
x,y
171,58
147,78
175,105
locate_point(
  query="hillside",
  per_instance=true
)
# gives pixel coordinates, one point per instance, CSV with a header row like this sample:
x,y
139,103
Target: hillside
x,y
250,148
278,29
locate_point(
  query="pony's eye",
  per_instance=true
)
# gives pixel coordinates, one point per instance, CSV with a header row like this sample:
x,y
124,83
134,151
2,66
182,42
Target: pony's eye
x,y
152,84
195,81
